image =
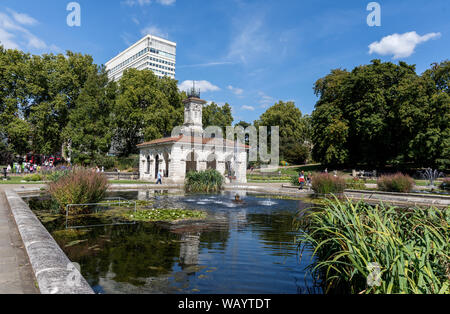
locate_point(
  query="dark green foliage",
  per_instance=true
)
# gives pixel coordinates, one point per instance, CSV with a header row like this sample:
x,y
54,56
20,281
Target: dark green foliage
x,y
204,181
325,183
396,183
295,131
146,108
383,113
89,130
294,181
214,115
446,184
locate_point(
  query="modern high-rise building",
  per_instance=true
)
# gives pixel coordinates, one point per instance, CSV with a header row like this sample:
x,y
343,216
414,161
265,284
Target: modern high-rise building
x,y
151,53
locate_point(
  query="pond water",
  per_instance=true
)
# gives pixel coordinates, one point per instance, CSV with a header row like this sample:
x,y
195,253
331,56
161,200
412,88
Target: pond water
x,y
246,248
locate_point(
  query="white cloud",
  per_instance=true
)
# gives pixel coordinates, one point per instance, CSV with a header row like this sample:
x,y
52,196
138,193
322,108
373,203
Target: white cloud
x,y
250,108
265,101
154,30
250,41
166,2
400,45
22,18
13,35
204,86
141,3
235,90
7,40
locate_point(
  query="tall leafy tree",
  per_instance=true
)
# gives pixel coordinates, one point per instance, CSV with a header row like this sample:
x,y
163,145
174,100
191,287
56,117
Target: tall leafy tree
x,y
89,131
54,83
294,130
382,113
146,108
215,115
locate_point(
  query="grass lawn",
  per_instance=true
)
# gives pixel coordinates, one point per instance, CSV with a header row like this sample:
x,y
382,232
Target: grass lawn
x,y
17,180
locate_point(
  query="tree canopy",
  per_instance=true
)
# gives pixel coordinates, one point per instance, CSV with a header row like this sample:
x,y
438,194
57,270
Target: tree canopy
x,y
383,113
294,130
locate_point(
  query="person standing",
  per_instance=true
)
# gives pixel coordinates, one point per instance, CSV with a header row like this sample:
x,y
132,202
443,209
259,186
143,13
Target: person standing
x,y
159,181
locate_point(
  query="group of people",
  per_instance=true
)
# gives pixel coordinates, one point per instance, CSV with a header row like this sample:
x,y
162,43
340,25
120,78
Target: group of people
x,y
25,168
304,179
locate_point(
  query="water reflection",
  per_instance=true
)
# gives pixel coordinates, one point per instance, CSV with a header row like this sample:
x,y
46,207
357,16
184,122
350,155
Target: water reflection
x,y
240,248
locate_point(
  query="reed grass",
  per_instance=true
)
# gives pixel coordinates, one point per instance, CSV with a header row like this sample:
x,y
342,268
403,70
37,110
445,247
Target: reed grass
x,y
208,181
396,183
81,186
410,245
325,183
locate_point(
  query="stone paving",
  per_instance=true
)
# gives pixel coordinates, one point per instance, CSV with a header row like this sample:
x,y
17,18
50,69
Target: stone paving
x,y
16,274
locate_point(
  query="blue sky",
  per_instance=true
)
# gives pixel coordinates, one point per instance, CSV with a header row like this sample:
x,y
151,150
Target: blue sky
x,y
249,53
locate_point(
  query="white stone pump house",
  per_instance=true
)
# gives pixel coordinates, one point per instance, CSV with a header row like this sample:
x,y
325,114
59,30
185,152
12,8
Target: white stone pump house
x,y
192,150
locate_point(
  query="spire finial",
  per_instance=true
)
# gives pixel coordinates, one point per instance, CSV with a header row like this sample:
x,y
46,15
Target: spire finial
x,y
193,93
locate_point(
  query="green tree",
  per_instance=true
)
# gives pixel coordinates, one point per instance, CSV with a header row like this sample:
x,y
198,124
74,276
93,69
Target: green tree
x,y
382,113
215,115
294,130
89,130
146,108
54,83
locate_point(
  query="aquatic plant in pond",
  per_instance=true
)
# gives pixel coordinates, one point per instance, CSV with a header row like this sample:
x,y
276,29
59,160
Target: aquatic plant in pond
x,y
411,246
225,253
208,181
167,215
81,186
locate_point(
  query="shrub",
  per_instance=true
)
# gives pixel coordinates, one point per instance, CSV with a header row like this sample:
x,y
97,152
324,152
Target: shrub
x,y
33,178
294,181
446,184
81,186
204,181
55,175
128,163
356,184
410,246
106,162
325,183
396,183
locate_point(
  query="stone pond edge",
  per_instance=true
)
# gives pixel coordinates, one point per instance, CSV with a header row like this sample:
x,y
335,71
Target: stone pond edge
x,y
52,268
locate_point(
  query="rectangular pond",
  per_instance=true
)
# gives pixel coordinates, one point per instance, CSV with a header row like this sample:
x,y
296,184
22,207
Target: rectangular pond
x,y
242,248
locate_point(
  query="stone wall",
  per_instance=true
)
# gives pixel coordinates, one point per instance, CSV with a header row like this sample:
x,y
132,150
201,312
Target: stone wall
x,y
53,270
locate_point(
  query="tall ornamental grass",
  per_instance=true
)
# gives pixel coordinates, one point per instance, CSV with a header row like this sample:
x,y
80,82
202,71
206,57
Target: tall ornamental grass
x,y
208,181
396,183
325,183
411,246
80,186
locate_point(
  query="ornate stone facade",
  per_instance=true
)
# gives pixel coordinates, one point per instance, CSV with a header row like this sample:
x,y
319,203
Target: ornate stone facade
x,y
191,151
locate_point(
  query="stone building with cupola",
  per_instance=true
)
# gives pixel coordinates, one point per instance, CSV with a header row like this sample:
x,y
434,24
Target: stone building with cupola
x,y
190,148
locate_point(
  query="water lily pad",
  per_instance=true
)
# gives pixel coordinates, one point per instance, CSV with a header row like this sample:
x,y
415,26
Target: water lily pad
x,y
73,243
